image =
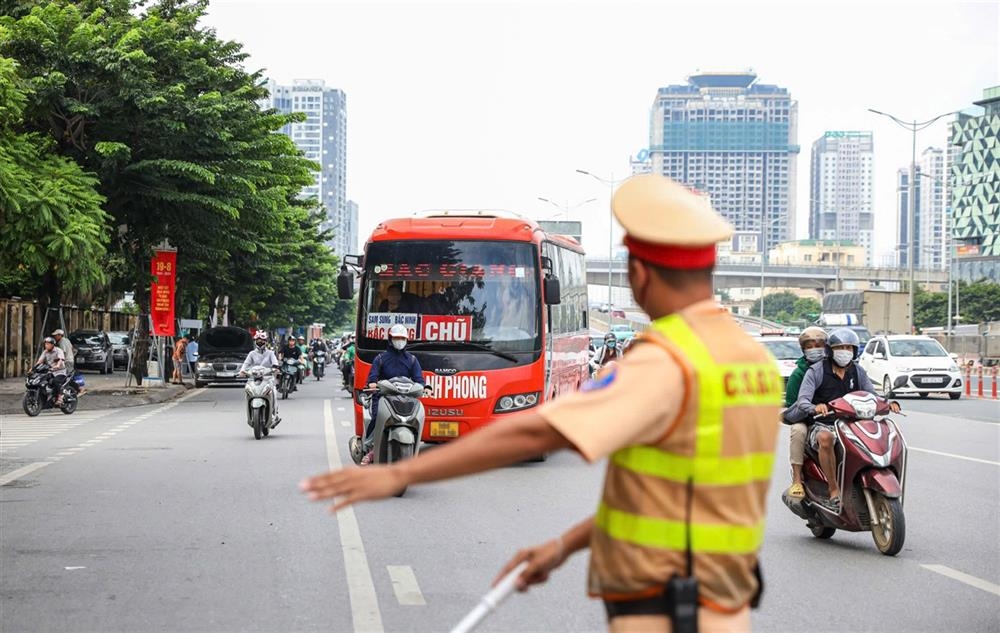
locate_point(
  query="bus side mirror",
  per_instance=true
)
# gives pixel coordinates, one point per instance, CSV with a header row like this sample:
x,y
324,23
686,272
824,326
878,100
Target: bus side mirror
x,y
551,289
345,283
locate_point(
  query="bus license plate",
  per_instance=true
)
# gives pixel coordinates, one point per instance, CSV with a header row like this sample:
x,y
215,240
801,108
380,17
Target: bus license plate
x,y
444,429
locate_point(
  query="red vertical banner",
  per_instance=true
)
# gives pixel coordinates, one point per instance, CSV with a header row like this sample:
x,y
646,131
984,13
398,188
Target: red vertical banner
x,y
161,294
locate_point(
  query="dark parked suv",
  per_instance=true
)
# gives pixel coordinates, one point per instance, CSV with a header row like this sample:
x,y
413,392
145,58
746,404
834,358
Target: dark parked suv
x,y
221,352
93,350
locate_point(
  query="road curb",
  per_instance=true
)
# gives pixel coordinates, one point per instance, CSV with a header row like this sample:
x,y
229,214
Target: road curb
x,y
106,398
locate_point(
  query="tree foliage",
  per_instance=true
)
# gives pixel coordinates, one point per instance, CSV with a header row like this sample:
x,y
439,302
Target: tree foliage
x,y
786,307
53,226
163,112
977,302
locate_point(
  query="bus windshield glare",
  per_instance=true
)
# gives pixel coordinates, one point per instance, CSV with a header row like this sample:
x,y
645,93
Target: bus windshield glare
x,y
452,292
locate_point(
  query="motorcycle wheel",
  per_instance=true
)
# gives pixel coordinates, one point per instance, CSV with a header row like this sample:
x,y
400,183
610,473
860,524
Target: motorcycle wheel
x,y
890,532
284,388
397,453
822,532
355,449
69,406
258,423
31,403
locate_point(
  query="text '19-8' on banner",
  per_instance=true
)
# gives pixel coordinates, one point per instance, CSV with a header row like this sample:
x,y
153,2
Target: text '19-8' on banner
x,y
163,266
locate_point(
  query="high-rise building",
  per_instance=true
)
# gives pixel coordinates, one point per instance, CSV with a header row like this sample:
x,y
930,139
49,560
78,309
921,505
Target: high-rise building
x,y
640,166
734,138
322,137
350,231
841,195
975,190
930,244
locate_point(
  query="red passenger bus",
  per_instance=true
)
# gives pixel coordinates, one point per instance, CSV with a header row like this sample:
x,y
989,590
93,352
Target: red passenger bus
x,y
496,311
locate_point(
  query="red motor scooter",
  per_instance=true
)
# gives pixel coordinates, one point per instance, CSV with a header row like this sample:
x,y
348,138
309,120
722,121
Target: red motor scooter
x,y
871,469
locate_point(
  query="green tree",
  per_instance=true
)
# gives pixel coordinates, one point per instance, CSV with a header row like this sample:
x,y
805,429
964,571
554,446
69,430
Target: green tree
x,y
53,226
164,113
979,302
806,309
930,309
775,304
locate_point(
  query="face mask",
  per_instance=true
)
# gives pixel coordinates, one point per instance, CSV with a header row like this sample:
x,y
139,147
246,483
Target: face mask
x,y
612,344
815,355
399,343
260,344
843,357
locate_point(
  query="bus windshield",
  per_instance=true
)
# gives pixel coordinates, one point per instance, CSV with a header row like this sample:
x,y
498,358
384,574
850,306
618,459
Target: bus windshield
x,y
452,293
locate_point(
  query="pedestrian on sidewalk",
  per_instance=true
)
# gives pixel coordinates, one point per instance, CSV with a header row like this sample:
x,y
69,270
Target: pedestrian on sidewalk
x,y
180,355
192,352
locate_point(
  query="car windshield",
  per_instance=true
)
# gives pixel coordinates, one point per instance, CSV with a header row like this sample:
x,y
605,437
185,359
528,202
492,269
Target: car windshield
x,y
452,292
621,328
783,349
118,338
916,348
85,338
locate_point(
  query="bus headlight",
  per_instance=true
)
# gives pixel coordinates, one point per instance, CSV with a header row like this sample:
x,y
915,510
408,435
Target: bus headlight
x,y
516,402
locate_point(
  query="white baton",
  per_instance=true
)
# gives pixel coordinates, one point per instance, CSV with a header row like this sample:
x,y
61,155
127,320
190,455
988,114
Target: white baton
x,y
490,601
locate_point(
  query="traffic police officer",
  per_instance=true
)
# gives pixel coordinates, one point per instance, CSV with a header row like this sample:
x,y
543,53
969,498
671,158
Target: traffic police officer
x,y
690,453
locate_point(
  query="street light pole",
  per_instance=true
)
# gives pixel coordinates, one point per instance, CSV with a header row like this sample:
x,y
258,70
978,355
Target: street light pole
x,y
566,208
913,127
612,183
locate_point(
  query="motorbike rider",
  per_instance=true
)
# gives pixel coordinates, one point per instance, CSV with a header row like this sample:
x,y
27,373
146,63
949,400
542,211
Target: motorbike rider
x,y
291,351
812,341
263,357
306,365
347,361
394,362
834,377
67,348
56,360
608,353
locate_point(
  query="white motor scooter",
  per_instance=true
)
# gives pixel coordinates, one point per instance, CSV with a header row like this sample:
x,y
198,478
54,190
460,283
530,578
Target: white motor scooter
x,y
259,391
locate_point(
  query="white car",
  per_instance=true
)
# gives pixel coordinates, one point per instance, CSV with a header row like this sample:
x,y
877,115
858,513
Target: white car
x,y
786,352
901,364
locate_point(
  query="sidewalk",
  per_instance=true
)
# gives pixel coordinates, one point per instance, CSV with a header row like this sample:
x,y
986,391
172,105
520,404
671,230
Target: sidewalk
x,y
103,392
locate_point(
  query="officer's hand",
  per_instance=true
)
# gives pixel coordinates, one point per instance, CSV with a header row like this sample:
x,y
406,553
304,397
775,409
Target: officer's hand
x,y
372,385
354,484
542,559
894,407
822,409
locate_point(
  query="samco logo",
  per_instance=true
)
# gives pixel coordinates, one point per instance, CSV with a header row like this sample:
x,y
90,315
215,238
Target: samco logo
x,y
749,382
461,387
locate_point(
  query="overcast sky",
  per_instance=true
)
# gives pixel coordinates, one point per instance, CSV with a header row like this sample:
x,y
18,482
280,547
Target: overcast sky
x,y
493,104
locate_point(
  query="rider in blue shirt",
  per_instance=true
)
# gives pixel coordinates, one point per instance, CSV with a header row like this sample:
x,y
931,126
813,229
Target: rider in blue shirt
x,y
394,362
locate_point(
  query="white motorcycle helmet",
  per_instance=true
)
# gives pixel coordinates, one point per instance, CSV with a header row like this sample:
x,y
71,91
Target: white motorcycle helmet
x,y
397,336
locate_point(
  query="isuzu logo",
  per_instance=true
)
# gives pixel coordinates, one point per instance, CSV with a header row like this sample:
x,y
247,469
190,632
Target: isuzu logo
x,y
446,371
444,413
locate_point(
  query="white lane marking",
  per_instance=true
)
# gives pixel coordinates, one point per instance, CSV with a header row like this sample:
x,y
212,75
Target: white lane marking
x,y
970,459
345,423
74,568
21,472
972,581
340,408
360,587
404,583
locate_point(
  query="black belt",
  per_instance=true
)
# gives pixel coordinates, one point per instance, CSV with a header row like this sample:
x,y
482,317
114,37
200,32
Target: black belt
x,y
654,605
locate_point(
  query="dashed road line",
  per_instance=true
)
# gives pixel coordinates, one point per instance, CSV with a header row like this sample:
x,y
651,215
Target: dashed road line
x,y
404,584
21,472
30,468
18,430
953,456
360,587
972,581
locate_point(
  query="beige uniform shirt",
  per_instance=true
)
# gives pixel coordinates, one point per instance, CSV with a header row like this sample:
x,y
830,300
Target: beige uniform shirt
x,y
636,403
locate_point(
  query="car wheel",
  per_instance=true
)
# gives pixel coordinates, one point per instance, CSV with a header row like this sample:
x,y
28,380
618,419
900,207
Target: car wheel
x,y
886,389
111,365
198,384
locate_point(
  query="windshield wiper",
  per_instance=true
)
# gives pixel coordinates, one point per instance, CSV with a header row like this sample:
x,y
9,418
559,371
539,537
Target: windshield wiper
x,y
479,346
